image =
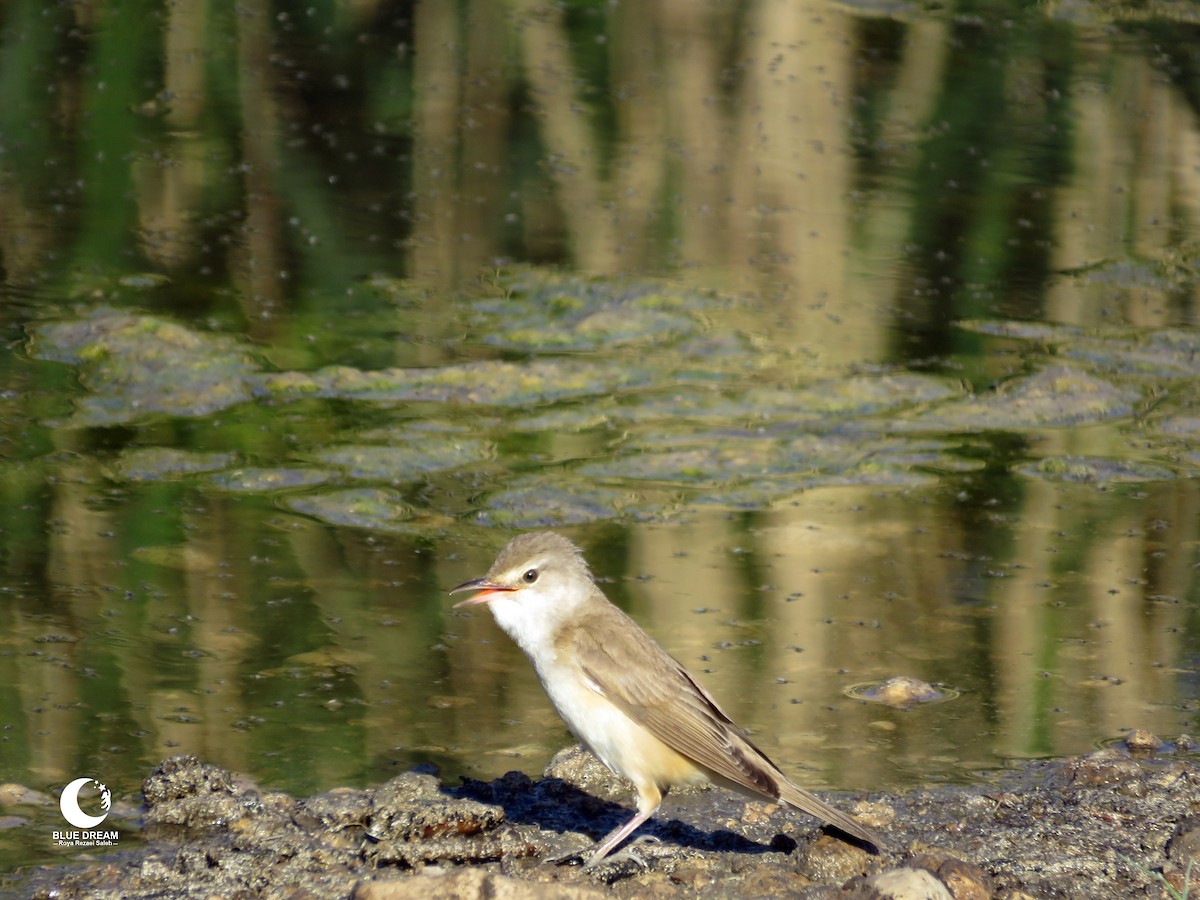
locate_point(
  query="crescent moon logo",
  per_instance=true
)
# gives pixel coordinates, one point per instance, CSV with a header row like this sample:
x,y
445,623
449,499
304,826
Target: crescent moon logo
x,y
69,804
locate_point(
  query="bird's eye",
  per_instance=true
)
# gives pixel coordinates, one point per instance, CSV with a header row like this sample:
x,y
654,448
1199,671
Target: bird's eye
x,y
530,577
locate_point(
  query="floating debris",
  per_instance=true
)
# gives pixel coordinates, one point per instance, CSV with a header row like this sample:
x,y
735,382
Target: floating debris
x,y
901,692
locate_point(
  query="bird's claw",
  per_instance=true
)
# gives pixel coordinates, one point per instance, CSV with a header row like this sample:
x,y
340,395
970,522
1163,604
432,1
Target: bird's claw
x,y
629,852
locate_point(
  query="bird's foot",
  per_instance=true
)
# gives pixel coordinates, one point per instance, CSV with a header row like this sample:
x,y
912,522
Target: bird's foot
x,y
628,854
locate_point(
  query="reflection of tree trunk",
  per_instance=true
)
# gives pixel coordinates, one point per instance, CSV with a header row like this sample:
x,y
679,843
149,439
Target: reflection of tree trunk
x,y
700,130
831,554
796,165
220,628
885,219
1147,180
436,94
573,156
1186,140
184,58
642,133
1077,639
1130,178
1026,640
793,173
261,257
1154,149
483,133
79,560
169,190
24,234
461,138
1091,219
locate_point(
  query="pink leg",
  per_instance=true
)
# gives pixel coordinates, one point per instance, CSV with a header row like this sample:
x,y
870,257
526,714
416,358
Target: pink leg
x,y
610,843
649,801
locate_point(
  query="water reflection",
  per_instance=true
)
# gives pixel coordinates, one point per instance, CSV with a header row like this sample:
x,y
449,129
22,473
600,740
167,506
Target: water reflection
x,y
314,656
305,402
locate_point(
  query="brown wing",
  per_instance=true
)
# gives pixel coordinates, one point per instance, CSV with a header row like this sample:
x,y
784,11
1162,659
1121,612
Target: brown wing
x,y
654,690
657,692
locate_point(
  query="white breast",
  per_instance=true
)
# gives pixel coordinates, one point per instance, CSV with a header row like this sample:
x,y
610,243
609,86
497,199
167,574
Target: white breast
x,y
620,743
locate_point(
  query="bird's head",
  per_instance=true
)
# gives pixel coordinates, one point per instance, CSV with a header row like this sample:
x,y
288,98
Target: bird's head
x,y
539,577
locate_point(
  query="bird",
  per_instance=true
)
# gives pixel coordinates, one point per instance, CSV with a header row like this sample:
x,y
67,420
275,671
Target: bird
x,y
628,701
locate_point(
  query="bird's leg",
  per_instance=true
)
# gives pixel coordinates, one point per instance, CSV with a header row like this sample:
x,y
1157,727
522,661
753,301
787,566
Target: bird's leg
x,y
609,844
649,800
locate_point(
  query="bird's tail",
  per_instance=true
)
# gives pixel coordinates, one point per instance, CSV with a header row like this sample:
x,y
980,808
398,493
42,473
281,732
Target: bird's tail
x,y
802,800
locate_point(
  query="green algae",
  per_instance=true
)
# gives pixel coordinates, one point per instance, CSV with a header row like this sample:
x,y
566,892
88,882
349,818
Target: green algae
x,y
1163,353
1093,469
768,465
262,479
371,508
1183,426
820,401
135,367
400,462
633,401
550,503
166,463
1042,332
484,383
539,311
1055,396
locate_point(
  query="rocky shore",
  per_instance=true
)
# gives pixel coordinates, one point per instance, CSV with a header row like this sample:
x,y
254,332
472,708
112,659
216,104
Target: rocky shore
x,y
1113,824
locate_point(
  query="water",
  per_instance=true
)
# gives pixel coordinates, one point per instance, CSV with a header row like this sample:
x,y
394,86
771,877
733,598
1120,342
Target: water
x,y
847,344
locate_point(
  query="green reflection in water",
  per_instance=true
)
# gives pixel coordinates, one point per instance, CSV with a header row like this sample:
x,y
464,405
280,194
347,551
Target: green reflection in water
x,y
276,394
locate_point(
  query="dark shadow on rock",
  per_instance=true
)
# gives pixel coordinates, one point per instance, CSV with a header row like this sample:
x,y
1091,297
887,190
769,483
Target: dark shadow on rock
x,y
552,804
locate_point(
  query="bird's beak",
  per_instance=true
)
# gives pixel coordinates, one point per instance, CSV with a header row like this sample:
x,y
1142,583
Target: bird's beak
x,y
488,590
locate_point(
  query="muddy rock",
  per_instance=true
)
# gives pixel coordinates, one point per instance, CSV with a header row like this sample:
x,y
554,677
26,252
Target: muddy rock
x,y
466,884
1107,825
964,880
902,884
902,691
184,791
1141,741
